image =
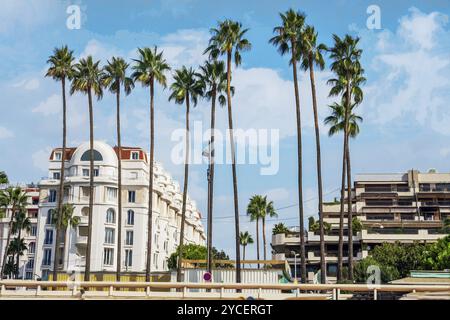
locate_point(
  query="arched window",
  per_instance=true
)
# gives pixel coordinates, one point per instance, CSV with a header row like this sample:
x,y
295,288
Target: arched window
x,y
87,156
130,217
110,216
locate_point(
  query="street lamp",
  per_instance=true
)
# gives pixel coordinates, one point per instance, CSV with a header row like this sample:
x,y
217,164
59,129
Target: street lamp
x,y
295,264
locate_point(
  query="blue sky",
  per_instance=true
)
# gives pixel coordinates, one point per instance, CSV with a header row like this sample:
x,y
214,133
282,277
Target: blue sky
x,y
405,110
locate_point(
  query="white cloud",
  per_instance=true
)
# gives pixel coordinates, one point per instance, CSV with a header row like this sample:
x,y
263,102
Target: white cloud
x,y
412,83
27,84
40,158
5,133
49,106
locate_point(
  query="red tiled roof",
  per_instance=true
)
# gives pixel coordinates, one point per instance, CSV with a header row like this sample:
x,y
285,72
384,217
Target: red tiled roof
x,y
68,155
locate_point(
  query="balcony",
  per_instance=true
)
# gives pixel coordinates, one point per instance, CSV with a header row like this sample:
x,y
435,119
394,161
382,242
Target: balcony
x,y
407,236
81,241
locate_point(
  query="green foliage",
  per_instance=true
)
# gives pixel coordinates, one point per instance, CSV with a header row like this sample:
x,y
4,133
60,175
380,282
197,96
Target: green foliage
x,y
314,226
3,178
437,256
245,238
196,252
356,226
396,260
279,228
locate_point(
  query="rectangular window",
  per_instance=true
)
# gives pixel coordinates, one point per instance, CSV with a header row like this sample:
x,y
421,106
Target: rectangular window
x,y
111,193
52,196
129,238
48,236
56,175
85,172
108,256
33,230
131,196
47,258
379,202
135,155
128,257
29,275
32,247
58,155
109,235
30,264
96,171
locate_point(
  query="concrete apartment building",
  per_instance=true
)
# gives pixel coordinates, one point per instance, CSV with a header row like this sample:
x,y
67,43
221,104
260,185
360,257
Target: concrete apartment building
x,y
167,201
403,207
27,261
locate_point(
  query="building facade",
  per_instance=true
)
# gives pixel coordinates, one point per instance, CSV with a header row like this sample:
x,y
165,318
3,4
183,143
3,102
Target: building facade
x,y
167,201
405,207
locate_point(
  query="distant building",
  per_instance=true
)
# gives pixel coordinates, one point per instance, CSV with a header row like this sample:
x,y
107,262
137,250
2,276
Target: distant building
x,y
403,207
167,202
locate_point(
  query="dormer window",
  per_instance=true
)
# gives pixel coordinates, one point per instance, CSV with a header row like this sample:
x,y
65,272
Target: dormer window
x,y
135,155
58,156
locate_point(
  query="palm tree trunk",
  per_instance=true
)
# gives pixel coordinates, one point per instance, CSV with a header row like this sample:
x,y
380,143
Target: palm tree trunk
x,y
233,166
264,237
87,272
211,179
319,170
299,160
61,183
185,187
119,189
349,214
243,255
341,215
150,185
349,183
257,241
8,240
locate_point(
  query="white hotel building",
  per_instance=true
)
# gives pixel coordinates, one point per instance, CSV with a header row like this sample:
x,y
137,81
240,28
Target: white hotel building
x,y
167,203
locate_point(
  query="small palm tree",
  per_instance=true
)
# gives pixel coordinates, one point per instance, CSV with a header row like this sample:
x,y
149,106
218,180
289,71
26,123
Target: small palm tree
x,y
214,81
10,269
286,39
279,228
150,69
61,69
245,239
229,39
254,212
87,79
21,222
14,200
186,88
114,79
65,220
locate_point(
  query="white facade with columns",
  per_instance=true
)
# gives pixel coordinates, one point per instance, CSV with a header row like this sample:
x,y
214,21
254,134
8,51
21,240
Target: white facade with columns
x,y
167,203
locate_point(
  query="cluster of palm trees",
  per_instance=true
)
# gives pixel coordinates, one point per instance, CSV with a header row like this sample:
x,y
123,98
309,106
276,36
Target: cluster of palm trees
x,y
300,40
15,201
213,82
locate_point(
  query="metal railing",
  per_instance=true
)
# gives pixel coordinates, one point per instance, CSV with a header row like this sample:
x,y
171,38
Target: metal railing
x,y
81,289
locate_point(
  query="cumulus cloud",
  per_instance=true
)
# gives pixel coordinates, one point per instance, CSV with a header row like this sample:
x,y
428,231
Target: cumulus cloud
x,y
412,82
5,133
27,84
49,106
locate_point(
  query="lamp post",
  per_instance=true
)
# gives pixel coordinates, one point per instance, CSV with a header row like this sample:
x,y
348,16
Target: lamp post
x,y
295,265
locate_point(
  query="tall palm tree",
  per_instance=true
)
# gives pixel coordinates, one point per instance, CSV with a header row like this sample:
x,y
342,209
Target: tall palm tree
x,y
345,55
114,78
61,69
65,220
229,39
269,211
87,79
245,239
312,56
214,81
17,247
15,200
254,212
186,88
150,69
21,222
286,39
